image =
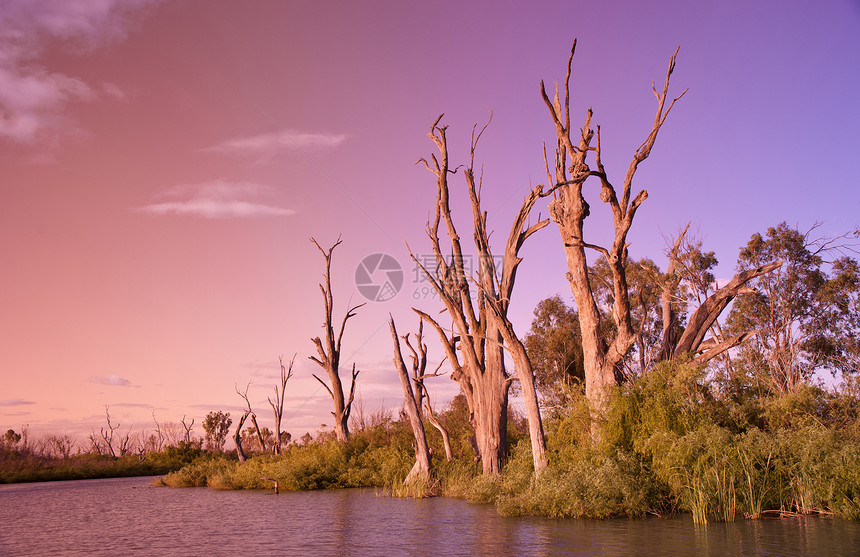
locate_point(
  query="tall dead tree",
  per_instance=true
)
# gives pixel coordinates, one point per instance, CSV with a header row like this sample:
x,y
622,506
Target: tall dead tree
x,y
329,353
603,357
278,404
480,322
412,401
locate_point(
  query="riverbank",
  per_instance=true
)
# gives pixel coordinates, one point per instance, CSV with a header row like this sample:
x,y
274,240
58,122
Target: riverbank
x,y
669,445
22,465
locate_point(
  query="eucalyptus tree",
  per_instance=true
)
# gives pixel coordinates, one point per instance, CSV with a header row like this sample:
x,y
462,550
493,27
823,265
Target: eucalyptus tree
x,y
216,426
805,318
554,345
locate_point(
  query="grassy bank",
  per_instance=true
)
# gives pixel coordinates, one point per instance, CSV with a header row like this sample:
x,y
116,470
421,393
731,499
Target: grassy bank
x,y
23,465
671,443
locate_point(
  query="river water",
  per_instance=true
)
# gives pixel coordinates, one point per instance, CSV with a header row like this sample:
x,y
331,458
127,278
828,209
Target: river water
x,y
127,516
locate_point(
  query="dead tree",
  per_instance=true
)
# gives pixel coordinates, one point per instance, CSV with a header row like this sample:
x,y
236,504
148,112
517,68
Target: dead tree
x,y
237,437
187,428
250,412
480,322
125,443
107,434
278,404
692,341
419,367
603,357
159,434
329,353
412,401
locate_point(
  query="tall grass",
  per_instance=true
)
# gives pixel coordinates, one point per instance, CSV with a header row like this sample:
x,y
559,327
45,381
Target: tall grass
x,y
672,442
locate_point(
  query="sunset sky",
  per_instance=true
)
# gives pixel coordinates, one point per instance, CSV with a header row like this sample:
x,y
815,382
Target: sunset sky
x,y
163,165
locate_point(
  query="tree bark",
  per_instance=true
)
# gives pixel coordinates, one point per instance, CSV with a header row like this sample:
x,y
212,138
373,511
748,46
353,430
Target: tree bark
x,y
329,353
525,373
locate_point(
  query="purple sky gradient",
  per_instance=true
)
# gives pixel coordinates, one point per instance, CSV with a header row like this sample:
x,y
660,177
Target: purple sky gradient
x,y
164,164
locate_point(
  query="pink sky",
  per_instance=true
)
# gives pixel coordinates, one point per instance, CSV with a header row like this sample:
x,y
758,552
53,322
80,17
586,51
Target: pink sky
x,y
164,164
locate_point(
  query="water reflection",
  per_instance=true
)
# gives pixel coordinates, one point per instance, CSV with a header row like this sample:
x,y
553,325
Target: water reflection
x,y
128,517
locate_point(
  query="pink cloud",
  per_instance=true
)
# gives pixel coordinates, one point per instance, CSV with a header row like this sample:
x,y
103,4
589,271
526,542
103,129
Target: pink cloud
x,y
265,146
113,380
218,200
32,96
16,402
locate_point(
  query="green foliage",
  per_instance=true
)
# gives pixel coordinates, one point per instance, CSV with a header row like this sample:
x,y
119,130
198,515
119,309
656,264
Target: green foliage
x,y
807,319
380,456
10,439
555,348
217,427
20,466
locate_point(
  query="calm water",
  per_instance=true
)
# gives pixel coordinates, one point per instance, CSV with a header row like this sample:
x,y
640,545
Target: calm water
x,y
129,517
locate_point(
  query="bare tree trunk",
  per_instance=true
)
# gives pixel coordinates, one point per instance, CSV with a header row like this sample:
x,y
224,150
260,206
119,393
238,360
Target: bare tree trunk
x,y
422,395
411,398
525,374
237,437
443,431
329,354
107,434
159,434
187,428
250,412
603,358
278,404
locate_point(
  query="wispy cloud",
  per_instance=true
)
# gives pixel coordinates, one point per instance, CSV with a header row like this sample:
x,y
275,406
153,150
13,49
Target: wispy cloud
x,y
266,146
113,380
31,95
16,402
218,200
